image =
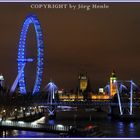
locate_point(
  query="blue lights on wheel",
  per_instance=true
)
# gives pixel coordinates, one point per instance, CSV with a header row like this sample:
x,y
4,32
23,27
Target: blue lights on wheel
x,y
31,19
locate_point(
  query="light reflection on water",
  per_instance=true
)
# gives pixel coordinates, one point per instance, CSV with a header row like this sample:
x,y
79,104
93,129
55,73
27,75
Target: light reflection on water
x,y
116,128
29,134
51,122
111,128
126,129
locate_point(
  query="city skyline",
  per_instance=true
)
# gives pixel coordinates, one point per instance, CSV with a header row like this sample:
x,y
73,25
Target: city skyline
x,y
69,70
95,41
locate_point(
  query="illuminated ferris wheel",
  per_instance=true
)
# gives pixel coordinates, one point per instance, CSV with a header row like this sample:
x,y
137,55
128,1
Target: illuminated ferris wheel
x,y
22,59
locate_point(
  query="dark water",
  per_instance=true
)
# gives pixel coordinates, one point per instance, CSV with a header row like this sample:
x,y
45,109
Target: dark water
x,y
113,128
110,127
28,134
121,129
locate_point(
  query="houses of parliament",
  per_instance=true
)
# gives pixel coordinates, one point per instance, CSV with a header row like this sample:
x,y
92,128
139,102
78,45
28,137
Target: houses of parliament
x,y
84,92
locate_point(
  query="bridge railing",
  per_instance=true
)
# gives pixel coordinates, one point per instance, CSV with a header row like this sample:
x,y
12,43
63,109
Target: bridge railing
x,y
33,126
88,103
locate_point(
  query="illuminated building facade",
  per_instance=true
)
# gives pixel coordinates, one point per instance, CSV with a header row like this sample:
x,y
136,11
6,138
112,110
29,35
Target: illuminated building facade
x,y
113,86
84,91
84,86
83,82
99,97
70,97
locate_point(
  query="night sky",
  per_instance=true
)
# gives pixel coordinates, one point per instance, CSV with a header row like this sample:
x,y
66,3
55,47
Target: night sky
x,y
95,41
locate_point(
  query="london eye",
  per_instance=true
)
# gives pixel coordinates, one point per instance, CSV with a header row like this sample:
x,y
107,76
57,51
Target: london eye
x,y
22,58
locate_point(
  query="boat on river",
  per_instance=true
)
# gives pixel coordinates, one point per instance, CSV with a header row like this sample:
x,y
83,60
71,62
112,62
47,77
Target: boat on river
x,y
89,130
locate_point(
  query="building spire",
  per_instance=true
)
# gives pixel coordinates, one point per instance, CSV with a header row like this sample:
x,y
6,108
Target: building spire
x,y
113,87
113,74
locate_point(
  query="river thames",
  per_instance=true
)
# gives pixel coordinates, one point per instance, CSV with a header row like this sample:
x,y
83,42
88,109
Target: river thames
x,y
111,128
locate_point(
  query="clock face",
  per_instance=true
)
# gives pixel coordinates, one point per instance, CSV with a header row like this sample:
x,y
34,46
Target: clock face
x,y
83,84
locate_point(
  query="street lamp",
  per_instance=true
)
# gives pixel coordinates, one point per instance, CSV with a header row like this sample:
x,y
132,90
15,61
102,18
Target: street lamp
x,y
16,113
4,114
30,110
1,80
24,112
35,110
